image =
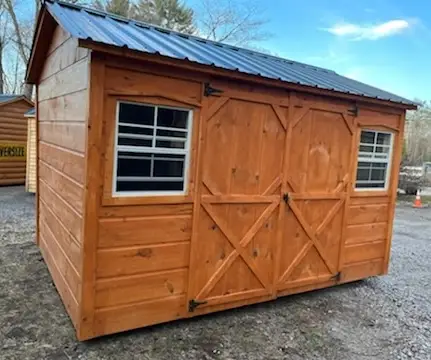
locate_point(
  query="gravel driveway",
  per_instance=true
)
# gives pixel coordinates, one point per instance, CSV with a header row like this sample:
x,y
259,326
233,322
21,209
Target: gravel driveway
x,y
380,318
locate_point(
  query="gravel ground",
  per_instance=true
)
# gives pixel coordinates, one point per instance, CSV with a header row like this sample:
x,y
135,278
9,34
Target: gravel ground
x,y
386,317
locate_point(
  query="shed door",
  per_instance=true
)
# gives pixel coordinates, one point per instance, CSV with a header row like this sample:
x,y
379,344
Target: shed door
x,y
239,192
318,170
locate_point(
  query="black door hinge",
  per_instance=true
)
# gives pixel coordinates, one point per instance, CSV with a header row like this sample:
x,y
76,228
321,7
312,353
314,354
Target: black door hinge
x,y
336,277
193,304
286,197
354,112
208,91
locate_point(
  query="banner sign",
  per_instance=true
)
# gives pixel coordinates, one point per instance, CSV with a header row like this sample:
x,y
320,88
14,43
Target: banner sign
x,y
12,152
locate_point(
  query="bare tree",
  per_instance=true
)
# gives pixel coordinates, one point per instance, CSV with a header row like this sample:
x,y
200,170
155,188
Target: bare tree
x,y
5,34
2,75
234,22
14,73
22,38
3,43
37,5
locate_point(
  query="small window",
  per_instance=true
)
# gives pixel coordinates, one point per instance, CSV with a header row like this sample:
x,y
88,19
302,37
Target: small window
x,y
375,150
152,150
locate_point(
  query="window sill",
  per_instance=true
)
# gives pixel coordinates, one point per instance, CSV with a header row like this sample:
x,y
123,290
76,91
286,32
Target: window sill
x,y
109,200
370,193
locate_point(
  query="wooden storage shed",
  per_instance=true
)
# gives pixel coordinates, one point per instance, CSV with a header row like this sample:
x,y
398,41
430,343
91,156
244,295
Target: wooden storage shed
x,y
30,176
13,138
178,177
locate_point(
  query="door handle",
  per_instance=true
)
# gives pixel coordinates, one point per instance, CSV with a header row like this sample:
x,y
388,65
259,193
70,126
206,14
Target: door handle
x,y
286,198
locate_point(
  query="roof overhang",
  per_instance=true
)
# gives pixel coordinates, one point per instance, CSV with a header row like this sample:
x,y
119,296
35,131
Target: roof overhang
x,y
45,27
30,114
16,99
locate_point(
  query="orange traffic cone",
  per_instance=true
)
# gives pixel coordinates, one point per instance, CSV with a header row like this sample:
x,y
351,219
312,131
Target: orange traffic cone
x,y
418,201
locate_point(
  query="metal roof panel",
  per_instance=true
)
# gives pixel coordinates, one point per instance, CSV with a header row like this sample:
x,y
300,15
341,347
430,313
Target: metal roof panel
x,y
30,113
98,26
8,97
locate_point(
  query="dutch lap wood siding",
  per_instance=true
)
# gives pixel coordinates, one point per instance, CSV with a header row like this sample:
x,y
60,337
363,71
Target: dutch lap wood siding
x,y
13,131
62,99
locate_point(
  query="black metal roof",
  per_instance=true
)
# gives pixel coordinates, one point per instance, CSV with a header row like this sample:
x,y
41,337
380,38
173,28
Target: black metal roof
x,y
9,97
101,27
30,113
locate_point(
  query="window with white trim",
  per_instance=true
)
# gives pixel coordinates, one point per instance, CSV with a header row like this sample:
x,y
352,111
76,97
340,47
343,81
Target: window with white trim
x,y
374,157
151,149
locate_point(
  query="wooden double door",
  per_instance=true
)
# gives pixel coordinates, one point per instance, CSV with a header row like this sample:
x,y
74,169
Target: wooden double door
x,y
273,177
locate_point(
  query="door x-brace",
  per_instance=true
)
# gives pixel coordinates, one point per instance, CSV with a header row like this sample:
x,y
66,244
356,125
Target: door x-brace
x,y
313,238
239,249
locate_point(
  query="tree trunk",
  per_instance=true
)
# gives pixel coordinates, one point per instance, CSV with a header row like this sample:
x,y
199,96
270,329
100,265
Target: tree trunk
x,y
1,68
28,89
36,13
17,30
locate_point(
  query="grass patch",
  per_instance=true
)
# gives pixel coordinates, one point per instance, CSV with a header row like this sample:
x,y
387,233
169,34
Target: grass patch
x,y
426,199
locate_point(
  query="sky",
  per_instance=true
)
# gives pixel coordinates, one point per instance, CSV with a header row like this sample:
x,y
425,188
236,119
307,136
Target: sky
x,y
385,43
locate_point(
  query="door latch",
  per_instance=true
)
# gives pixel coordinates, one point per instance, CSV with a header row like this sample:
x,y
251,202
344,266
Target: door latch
x,y
286,198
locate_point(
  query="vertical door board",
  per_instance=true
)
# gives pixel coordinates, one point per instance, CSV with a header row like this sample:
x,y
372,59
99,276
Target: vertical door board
x,y
237,203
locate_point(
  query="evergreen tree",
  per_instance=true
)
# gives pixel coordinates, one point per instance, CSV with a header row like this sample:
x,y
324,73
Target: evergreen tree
x,y
171,14
117,7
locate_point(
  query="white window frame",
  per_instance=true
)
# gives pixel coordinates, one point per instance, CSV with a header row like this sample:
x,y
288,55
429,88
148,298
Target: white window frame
x,y
153,149
375,160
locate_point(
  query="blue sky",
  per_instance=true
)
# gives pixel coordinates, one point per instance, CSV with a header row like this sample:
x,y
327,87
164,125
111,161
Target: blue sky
x,y
385,43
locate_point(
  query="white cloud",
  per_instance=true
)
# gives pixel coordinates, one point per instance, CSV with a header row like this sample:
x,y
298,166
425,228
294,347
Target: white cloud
x,y
355,73
330,58
369,32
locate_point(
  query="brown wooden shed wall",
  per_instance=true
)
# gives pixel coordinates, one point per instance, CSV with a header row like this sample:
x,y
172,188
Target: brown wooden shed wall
x,y
13,130
124,262
153,286
61,115
142,263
